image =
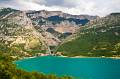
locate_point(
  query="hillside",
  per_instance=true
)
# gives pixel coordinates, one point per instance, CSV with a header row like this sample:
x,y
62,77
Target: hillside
x,y
57,24
18,34
27,33
6,11
100,37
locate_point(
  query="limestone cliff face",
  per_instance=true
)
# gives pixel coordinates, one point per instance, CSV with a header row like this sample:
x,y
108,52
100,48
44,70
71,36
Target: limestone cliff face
x,y
58,24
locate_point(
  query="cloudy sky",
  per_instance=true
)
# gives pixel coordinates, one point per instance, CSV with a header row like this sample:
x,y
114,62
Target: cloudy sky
x,y
76,7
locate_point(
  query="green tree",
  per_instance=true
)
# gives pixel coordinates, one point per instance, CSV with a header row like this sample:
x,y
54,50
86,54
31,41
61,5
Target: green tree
x,y
117,47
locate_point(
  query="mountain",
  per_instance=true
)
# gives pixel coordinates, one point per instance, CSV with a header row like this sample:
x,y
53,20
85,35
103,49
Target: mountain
x,y
100,37
26,33
18,34
58,24
54,19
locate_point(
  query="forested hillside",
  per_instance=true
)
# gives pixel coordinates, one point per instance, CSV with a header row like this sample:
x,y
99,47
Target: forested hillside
x,y
98,38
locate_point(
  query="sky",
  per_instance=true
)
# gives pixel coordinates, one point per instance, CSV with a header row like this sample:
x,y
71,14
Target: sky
x,y
75,7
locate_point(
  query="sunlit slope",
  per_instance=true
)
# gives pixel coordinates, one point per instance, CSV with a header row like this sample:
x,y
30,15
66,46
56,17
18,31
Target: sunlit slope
x,y
18,33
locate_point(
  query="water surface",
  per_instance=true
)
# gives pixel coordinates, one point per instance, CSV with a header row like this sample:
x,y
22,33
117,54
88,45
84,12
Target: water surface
x,y
81,68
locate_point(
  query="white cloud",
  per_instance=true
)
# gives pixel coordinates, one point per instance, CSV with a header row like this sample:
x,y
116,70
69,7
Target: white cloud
x,y
91,7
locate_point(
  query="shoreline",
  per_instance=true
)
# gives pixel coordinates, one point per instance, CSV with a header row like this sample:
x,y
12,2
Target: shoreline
x,y
89,57
68,57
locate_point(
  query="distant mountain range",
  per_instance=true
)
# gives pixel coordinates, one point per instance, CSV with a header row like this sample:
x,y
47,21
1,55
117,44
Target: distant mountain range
x,y
58,24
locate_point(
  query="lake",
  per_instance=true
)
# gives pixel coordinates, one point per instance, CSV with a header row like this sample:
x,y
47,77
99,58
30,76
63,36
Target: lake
x,y
80,68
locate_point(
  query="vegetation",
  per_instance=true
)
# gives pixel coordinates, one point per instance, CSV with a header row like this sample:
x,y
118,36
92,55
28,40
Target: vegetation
x,y
98,38
18,35
9,71
6,11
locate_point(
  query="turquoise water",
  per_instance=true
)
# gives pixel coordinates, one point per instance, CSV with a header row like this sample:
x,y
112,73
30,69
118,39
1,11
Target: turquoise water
x,y
81,68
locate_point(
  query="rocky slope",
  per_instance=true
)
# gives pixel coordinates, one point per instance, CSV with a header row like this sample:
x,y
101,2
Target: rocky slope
x,y
58,24
100,37
18,33
27,33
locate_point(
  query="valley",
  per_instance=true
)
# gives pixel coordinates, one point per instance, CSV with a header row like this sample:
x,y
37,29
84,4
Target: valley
x,y
36,33
41,33
59,39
